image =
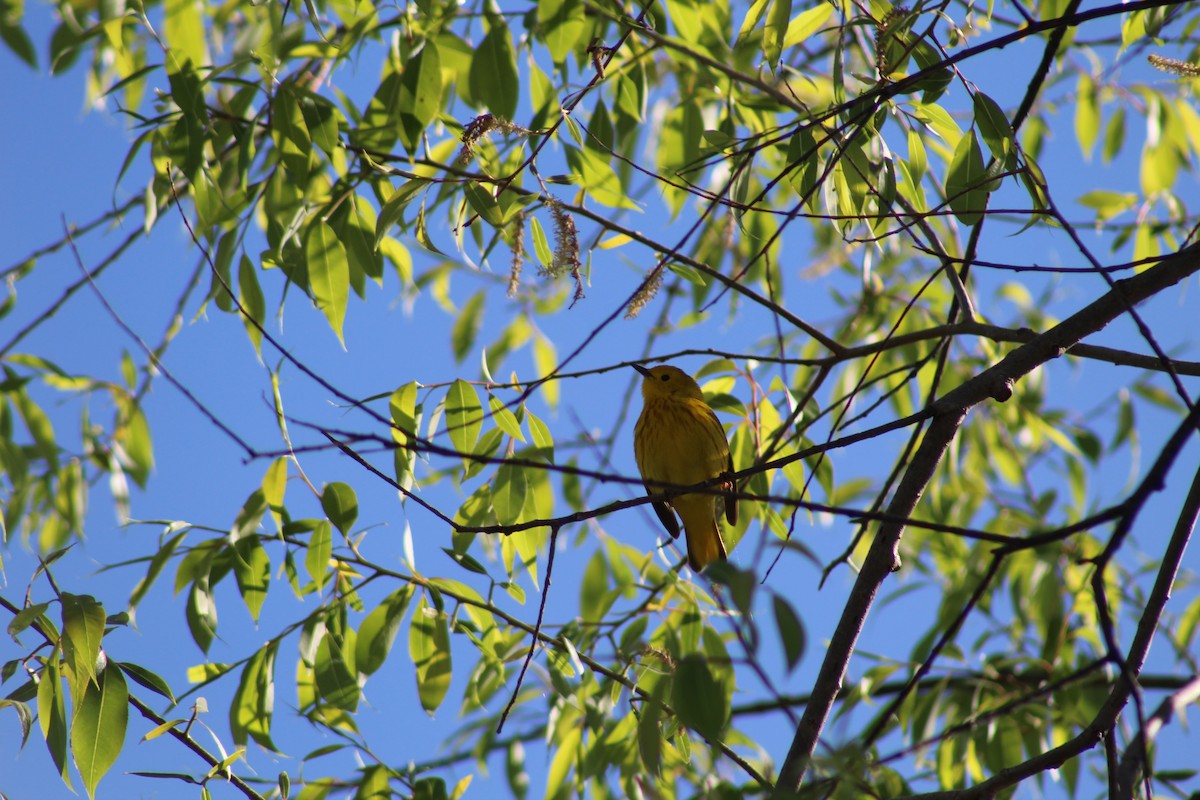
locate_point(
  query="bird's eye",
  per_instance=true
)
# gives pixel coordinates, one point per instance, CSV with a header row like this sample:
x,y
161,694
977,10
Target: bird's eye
x,y
666,378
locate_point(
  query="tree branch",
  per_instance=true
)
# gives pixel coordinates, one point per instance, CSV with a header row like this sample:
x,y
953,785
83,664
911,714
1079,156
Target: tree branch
x,y
1133,763
949,412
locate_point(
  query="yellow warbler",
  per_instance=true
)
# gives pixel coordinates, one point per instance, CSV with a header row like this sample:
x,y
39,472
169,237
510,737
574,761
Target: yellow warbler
x,y
679,440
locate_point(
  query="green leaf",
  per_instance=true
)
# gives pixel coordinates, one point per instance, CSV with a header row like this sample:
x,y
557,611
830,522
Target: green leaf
x,y
248,517
934,81
429,789
134,436
402,406
24,715
542,439
340,504
565,757
806,23
290,134
393,209
39,428
183,29
253,306
939,121
146,678
252,570
1087,114
1108,204
82,630
354,224
201,614
594,597
420,97
466,326
753,16
545,360
698,698
466,561
1133,29
649,730
184,141
381,120
541,245
328,273
320,549
422,232
464,416
689,274
253,705
483,203
429,648
20,44
379,629
274,485
966,181
592,172
995,128
791,631
1185,628
65,46
321,118
334,671
157,562
805,163
25,617
562,23
373,785
98,729
52,716
493,79
509,489
775,31
1114,135
222,282
505,419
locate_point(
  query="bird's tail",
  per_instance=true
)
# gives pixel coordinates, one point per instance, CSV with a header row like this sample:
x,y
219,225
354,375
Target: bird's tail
x,y
704,542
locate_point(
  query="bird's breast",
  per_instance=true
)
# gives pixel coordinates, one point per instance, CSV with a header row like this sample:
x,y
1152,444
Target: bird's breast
x,y
679,442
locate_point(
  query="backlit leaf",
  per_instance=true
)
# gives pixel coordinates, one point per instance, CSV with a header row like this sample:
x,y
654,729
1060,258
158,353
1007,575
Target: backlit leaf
x,y
429,648
253,704
966,180
328,273
379,629
1087,114
466,326
493,78
82,630
334,670
320,549
464,416
509,489
775,30
98,729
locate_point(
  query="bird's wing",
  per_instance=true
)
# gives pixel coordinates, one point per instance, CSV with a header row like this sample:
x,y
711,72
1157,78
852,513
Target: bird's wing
x,y
665,515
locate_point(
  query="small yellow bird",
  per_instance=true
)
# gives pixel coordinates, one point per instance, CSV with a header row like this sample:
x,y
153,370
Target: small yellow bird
x,y
679,440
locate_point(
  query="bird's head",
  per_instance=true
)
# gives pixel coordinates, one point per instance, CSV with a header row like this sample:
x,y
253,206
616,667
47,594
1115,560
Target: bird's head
x,y
667,381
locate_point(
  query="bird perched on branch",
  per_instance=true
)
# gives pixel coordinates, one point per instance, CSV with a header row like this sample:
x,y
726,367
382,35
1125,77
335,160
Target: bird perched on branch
x,y
678,440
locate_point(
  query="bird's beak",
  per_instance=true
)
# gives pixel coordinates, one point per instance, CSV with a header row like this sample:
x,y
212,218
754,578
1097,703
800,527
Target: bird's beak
x,y
645,372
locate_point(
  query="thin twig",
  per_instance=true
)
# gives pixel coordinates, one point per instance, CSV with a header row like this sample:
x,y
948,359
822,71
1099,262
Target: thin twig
x,y
537,629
